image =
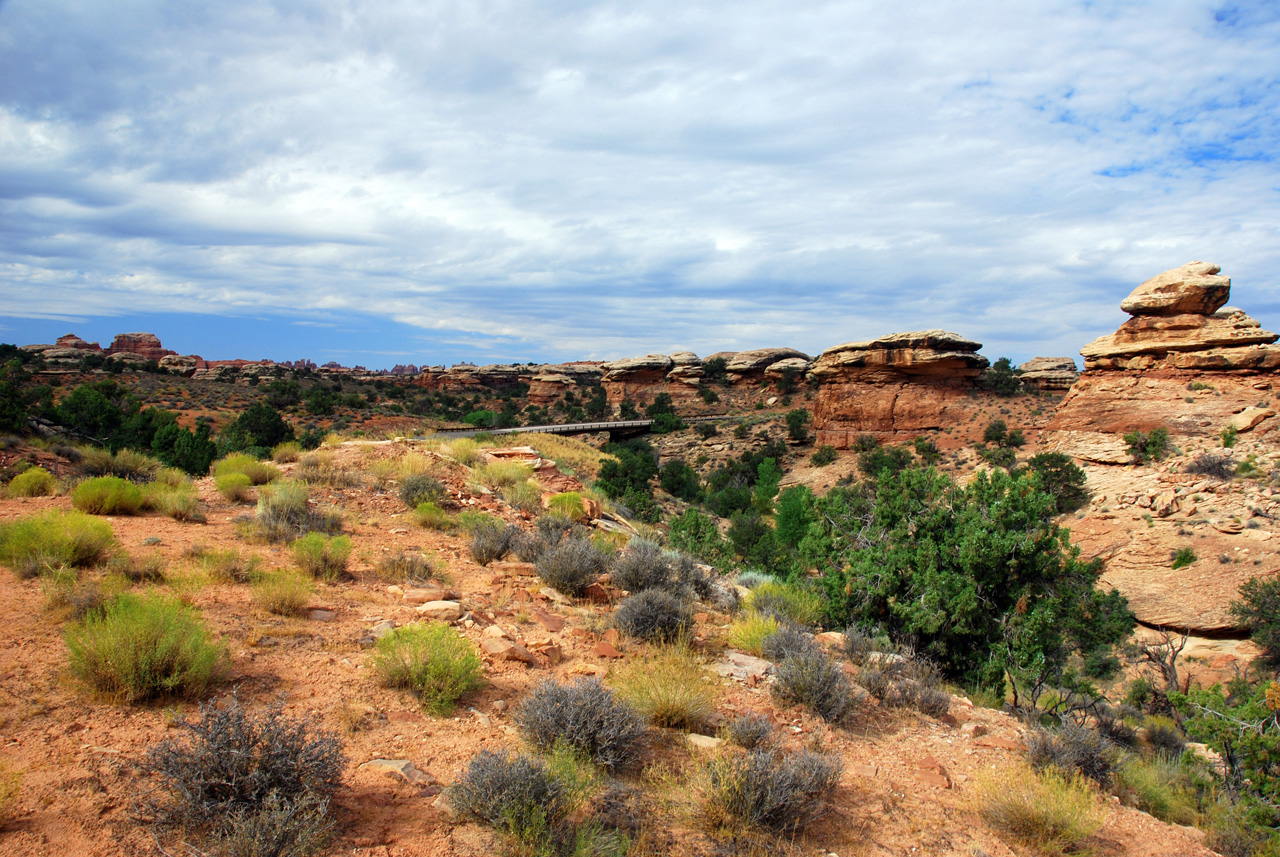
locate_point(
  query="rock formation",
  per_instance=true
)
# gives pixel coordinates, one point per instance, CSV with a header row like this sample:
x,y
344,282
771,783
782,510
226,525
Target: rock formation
x,y
1048,374
1184,361
550,382
904,382
145,345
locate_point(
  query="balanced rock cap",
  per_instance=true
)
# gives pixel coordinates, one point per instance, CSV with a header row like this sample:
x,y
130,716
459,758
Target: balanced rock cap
x,y
1194,288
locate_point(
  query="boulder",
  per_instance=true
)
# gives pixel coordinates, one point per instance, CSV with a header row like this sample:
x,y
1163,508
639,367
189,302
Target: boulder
x,y
1193,288
185,365
1250,417
441,611
1157,336
1049,373
796,367
651,368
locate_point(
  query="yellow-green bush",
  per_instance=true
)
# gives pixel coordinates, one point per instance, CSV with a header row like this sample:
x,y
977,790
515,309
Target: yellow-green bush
x,y
176,501
567,505
54,539
10,786
499,475
464,450
432,517
432,660
802,606
33,482
748,633
234,486
525,496
1158,786
108,495
143,647
259,472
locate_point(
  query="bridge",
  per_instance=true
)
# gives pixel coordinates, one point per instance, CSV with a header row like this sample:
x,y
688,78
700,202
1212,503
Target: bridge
x,y
617,429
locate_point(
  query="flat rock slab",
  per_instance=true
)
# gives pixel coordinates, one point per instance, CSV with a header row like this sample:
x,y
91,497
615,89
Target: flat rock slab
x,y
740,666
399,769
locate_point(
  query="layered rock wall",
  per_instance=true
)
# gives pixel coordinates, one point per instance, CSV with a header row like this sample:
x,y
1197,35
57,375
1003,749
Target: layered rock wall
x,y
904,382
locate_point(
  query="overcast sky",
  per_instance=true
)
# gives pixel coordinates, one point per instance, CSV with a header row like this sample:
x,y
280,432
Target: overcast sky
x,y
392,182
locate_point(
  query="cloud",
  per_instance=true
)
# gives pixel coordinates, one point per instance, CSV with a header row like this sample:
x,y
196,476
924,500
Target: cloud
x,y
576,179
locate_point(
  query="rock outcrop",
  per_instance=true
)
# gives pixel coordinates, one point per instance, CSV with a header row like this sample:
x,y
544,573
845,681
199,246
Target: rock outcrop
x,y
1048,374
550,382
904,382
70,340
145,345
1184,361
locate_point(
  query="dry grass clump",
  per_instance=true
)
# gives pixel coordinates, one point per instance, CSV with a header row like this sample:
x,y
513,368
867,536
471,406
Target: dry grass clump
x,y
429,516
464,450
669,688
143,647
127,464
284,593
143,569
1051,811
1073,750
10,787
419,488
750,731
567,505
490,540
569,453
287,452
525,496
415,463
54,539
1159,787
405,568
227,566
33,482
498,475
432,660
175,500
322,468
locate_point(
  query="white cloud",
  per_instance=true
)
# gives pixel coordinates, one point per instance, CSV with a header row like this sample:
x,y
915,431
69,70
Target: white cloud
x,y
597,179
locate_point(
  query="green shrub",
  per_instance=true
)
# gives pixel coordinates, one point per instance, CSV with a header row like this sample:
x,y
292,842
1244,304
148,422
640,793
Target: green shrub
x,y
143,647
1061,478
284,593
1050,810
33,482
107,495
259,472
322,556
750,731
234,487
1259,610
654,616
586,716
1183,557
432,517
173,501
255,785
777,792
419,488
54,539
1148,447
823,455
1229,436
797,422
431,660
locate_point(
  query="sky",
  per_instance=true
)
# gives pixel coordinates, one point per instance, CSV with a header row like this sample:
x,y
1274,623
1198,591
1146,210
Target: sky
x,y
479,180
